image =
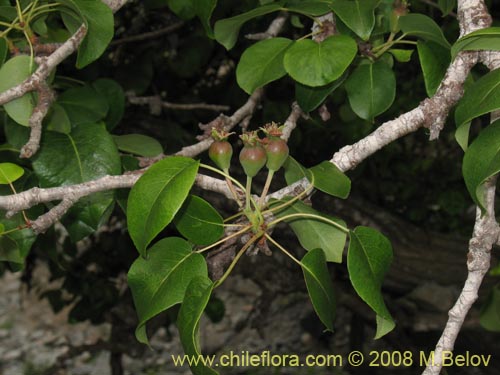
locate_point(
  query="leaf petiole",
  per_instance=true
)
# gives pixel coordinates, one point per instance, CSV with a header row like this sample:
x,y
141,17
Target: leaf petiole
x,y
311,216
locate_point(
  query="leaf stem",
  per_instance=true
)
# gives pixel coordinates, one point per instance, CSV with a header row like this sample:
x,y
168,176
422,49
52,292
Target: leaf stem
x,y
235,234
262,199
312,216
275,243
291,201
236,258
247,194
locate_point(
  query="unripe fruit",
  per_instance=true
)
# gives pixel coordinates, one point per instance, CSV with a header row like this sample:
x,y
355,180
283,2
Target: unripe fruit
x,y
220,152
277,152
252,156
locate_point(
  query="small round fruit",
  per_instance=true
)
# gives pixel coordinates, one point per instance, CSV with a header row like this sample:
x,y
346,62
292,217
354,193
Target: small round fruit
x,y
220,152
277,152
252,159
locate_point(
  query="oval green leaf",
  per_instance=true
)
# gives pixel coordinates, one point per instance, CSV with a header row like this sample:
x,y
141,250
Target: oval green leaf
x,y
481,161
329,179
423,27
446,6
115,97
157,196
315,233
160,282
83,105
484,39
12,73
262,63
319,286
318,64
199,222
294,171
3,51
309,8
188,321
138,144
99,20
9,173
226,31
482,97
358,15
58,120
434,60
368,258
371,89
9,251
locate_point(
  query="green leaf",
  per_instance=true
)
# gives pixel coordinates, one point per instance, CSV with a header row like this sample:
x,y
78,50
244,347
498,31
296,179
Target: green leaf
x,y
294,171
9,173
368,258
401,55
309,98
482,97
309,8
462,135
423,27
329,179
12,73
138,144
188,321
157,196
184,9
115,97
484,39
85,154
318,64
490,311
99,20
9,251
358,15
315,233
446,6
481,161
371,89
434,61
199,222
226,31
160,282
204,10
262,63
58,120
319,286
3,51
83,105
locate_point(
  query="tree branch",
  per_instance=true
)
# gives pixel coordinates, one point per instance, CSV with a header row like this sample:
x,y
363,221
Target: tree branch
x,y
149,35
155,102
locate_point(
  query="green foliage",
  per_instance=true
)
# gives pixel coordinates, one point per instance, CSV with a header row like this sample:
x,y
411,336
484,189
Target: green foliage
x,y
314,233
195,301
99,20
371,89
480,98
138,144
3,51
434,61
423,27
329,179
113,94
481,161
484,39
12,73
490,312
262,63
9,173
309,98
318,64
368,259
446,6
358,15
319,286
83,105
199,222
157,196
160,282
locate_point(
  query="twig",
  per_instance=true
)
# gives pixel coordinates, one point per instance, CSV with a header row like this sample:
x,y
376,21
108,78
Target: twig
x,y
272,31
156,101
149,35
291,122
45,98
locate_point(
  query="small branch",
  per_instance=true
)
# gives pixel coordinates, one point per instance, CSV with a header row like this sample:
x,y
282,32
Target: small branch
x,y
155,102
149,35
272,31
45,221
45,98
291,122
